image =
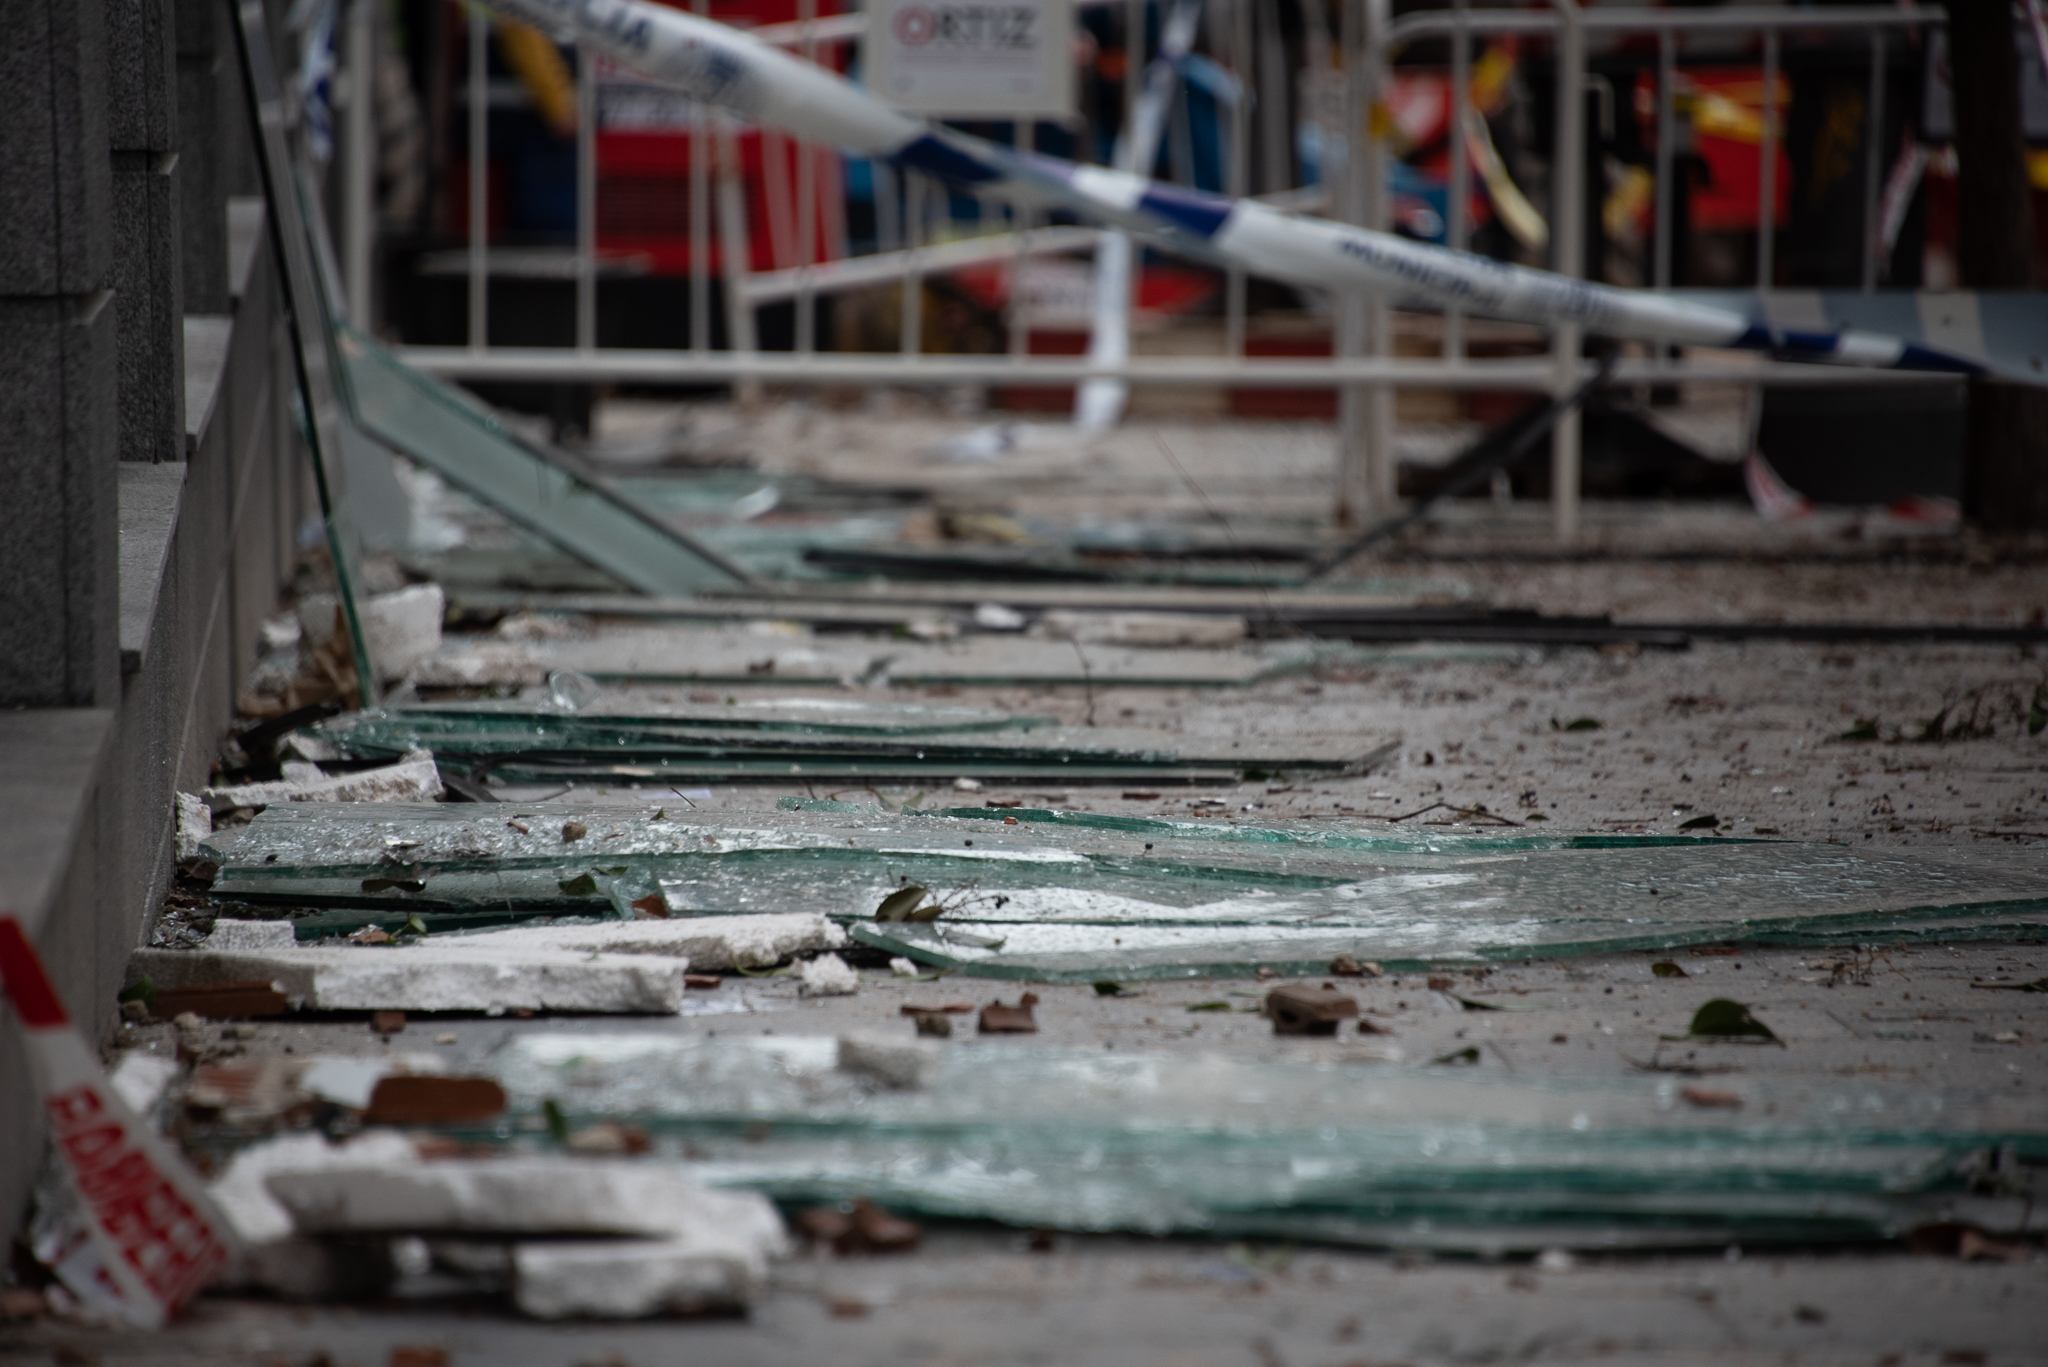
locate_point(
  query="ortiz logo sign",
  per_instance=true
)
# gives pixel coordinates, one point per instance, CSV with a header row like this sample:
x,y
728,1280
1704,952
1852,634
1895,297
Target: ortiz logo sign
x,y
1011,60
967,26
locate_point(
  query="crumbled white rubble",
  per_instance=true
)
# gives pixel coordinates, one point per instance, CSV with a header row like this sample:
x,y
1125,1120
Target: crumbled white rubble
x,y
272,1256
904,968
631,1278
710,943
1142,628
440,976
140,1079
906,1064
229,934
195,823
412,779
400,628
825,976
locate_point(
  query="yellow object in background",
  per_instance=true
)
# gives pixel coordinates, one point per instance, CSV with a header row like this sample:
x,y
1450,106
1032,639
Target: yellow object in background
x,y
538,63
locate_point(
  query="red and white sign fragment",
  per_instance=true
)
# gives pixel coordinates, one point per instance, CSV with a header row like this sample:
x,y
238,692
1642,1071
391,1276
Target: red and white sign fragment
x,y
151,1237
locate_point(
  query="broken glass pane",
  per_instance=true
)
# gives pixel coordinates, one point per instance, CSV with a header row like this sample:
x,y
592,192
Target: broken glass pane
x,y
1069,897
1337,1149
464,442
828,740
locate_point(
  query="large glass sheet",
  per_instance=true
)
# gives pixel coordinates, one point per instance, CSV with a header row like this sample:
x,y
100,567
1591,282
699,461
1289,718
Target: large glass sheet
x,y
855,741
1340,1150
1060,900
463,441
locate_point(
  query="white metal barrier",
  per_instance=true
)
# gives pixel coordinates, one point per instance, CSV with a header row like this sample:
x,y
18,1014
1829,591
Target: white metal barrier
x,y
1347,75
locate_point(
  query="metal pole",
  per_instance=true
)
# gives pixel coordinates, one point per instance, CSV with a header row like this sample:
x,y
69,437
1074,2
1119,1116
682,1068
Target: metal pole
x,y
1767,174
1567,222
1370,79
479,177
1238,182
1019,319
735,251
359,165
586,199
1458,224
1342,171
1873,162
1667,137
911,324
1134,62
700,217
807,198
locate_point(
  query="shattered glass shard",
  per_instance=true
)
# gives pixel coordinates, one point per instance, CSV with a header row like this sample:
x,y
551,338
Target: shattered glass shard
x,y
860,742
1070,897
1349,1152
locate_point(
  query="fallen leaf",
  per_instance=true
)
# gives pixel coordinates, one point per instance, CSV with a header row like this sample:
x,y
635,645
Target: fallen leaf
x,y
1700,823
371,935
1210,1006
1664,968
582,885
1113,989
1722,1018
902,904
702,982
998,1019
950,1008
1712,1096
652,906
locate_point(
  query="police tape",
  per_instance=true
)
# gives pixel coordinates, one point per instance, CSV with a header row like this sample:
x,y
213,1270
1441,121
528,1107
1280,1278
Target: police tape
x,y
148,1237
722,66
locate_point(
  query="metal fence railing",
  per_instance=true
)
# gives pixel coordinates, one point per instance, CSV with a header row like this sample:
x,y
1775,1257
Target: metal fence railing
x,y
1340,91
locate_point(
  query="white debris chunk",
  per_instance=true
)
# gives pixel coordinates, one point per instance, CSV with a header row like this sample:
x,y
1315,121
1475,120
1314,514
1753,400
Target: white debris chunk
x,y
251,935
625,1279
534,1196
272,1257
403,628
1143,628
257,1216
715,1257
299,745
139,1079
195,823
710,943
448,976
904,968
400,628
412,779
825,976
906,1064
997,617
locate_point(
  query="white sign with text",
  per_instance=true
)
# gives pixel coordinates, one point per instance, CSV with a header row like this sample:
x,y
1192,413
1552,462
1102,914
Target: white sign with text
x,y
967,58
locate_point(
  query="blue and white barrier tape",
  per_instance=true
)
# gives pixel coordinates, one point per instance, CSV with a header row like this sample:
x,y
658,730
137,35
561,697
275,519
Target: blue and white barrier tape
x,y
723,66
